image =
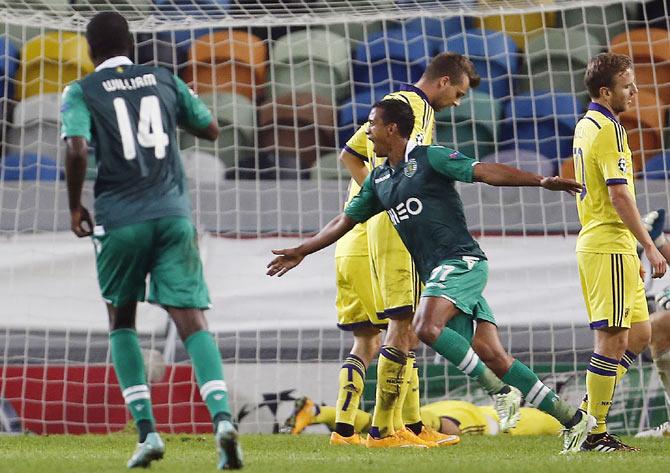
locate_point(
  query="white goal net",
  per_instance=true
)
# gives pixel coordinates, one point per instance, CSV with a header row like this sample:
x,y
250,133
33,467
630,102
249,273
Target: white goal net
x,y
290,81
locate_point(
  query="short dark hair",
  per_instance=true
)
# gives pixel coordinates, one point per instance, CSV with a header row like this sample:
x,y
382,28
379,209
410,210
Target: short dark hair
x,y
398,112
602,70
453,65
108,35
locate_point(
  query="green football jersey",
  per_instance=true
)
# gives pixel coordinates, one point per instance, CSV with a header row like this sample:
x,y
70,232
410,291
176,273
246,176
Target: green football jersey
x,y
129,114
420,197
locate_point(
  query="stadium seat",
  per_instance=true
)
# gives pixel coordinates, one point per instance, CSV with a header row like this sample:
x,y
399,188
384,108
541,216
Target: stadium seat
x,y
644,124
329,167
236,116
9,64
567,168
438,30
293,131
518,26
658,167
50,61
313,60
542,122
227,61
29,167
166,48
391,58
36,127
650,50
130,9
524,159
470,127
494,55
603,22
556,60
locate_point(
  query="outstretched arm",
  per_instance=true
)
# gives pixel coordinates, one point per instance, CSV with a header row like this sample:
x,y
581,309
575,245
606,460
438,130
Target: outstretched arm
x,y
497,174
289,258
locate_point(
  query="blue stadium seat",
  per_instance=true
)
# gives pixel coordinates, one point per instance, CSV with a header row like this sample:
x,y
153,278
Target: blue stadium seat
x,y
9,64
436,30
29,167
542,122
658,167
354,112
494,54
391,58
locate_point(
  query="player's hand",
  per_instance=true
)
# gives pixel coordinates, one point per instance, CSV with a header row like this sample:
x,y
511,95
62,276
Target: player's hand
x,y
560,184
81,222
287,259
658,263
663,299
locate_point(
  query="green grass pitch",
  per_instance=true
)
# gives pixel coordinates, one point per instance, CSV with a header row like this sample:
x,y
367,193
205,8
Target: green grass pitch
x,y
312,454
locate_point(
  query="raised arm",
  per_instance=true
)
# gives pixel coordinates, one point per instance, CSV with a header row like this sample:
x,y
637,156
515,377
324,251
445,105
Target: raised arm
x,y
625,207
355,165
289,258
497,174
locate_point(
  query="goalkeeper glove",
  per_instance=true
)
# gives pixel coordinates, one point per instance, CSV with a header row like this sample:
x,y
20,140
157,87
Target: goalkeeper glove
x,y
663,299
654,222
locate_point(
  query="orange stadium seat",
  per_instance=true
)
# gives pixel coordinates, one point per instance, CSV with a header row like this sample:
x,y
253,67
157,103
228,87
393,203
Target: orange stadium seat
x,y
227,61
650,50
644,124
50,61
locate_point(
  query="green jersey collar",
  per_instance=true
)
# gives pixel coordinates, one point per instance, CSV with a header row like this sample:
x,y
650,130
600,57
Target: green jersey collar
x,y
411,144
115,61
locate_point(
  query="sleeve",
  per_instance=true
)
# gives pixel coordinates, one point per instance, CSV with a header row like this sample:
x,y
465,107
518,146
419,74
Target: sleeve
x,y
451,163
193,112
365,204
611,157
358,144
74,114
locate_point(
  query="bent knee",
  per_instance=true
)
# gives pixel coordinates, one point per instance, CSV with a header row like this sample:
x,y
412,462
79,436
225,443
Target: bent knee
x,y
426,331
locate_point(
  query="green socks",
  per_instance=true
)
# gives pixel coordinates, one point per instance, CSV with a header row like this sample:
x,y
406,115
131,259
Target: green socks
x,y
538,393
206,361
129,368
452,346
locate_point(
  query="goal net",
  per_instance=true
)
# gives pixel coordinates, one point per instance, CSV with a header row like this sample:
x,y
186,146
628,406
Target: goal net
x,y
290,81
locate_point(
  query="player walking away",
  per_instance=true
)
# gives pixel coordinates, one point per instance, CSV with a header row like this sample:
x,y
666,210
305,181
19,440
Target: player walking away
x,y
377,284
143,218
447,417
416,186
609,268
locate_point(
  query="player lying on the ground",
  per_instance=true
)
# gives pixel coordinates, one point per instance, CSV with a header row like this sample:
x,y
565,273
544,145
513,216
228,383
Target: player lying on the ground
x,y
448,417
416,186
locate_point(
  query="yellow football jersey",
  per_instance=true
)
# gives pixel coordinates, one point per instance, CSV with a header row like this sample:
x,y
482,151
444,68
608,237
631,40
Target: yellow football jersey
x,y
355,242
471,419
532,422
602,158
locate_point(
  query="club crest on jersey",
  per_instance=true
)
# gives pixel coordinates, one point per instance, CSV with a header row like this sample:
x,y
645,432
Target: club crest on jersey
x,y
454,155
410,168
622,164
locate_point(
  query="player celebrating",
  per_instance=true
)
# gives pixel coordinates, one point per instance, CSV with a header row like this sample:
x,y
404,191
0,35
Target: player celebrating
x,y
609,268
416,186
388,299
143,218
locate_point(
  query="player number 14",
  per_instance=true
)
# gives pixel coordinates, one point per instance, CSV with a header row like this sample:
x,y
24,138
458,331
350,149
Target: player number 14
x,y
150,131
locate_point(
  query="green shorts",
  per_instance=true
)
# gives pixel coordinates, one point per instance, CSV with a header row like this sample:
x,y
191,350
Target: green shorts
x,y
462,281
166,249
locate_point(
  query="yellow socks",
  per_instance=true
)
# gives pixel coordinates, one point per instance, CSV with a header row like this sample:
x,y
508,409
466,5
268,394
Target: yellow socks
x,y
352,382
600,383
390,378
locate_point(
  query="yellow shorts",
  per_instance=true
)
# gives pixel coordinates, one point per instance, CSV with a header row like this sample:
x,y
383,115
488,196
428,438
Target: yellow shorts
x,y
354,301
395,282
613,290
